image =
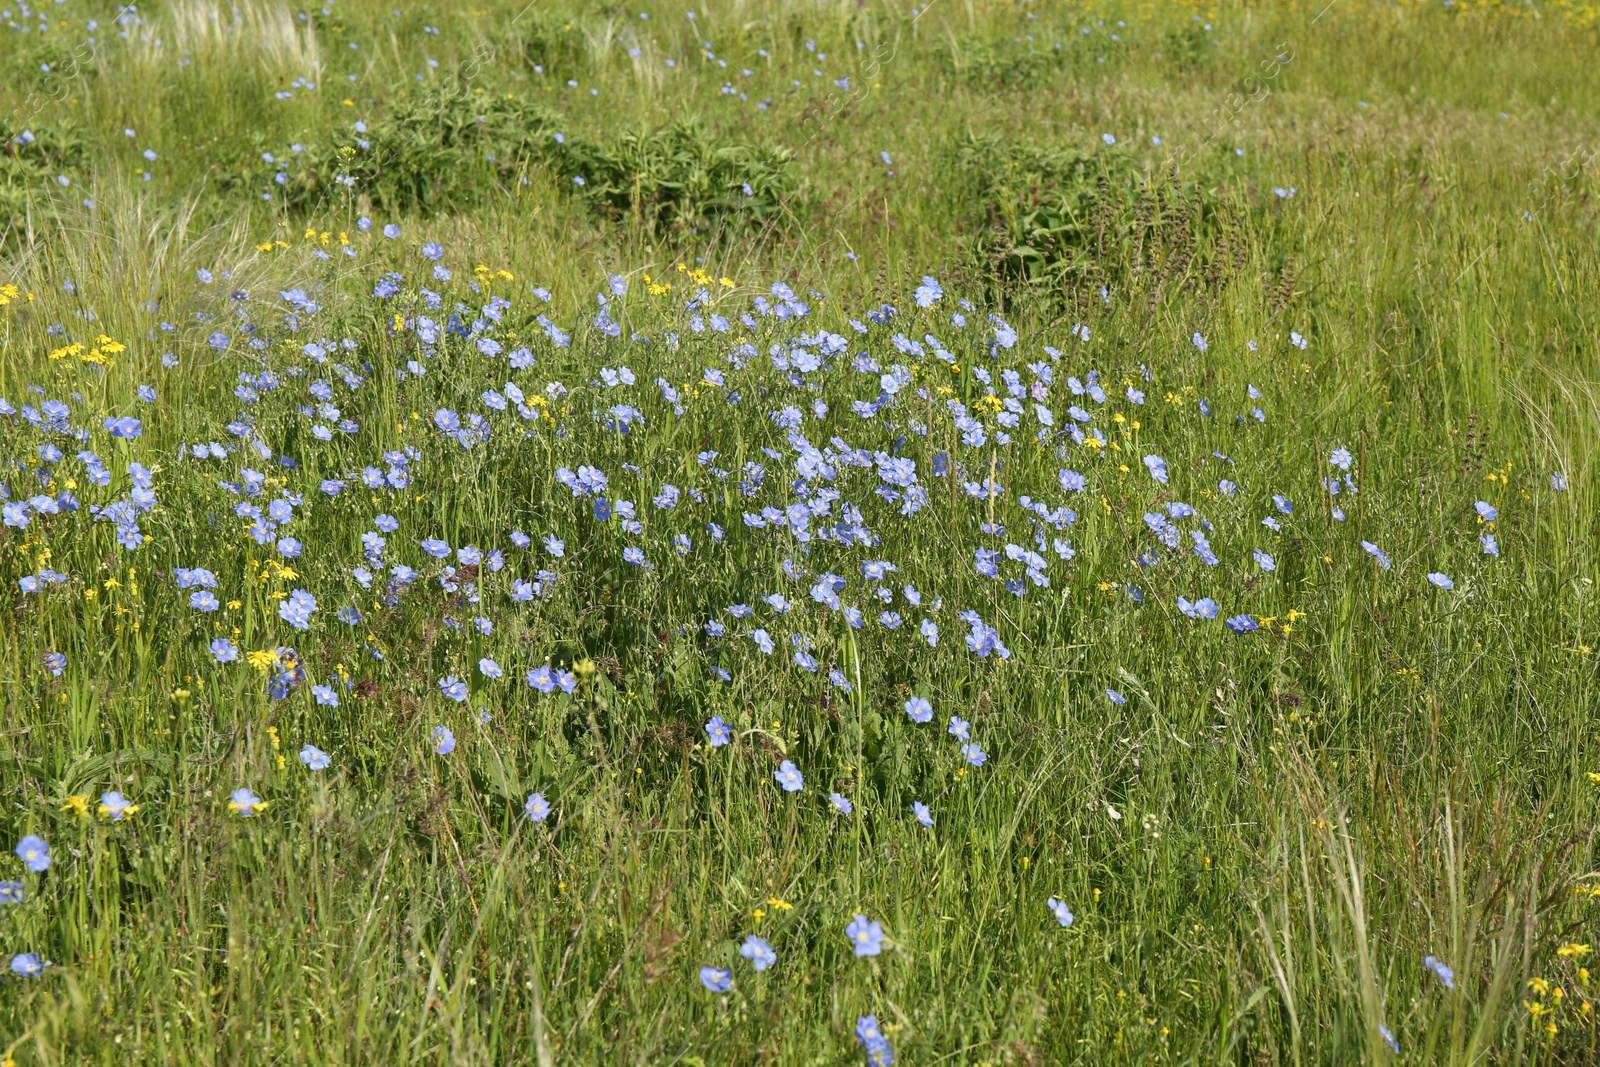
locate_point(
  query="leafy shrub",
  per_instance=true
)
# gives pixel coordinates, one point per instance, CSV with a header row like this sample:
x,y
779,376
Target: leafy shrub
x,y
451,147
443,151
1071,222
30,160
539,38
678,176
982,63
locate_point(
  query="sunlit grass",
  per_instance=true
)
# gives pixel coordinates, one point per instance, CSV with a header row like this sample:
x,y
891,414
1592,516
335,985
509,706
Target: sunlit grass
x,y
1259,844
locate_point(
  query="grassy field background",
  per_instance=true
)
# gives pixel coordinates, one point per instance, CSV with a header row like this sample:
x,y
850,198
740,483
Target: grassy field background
x,y
1316,240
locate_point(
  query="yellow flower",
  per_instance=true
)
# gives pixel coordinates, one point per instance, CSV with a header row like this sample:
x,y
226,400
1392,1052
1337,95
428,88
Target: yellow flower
x,y
1573,951
1539,986
78,805
263,659
780,904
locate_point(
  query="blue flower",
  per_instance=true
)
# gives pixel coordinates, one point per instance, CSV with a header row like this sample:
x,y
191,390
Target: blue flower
x,y
28,964
1441,580
11,893
1376,553
325,695
1446,976
543,679
718,732
444,742
537,807
1486,511
920,810
919,709
877,1047
296,611
788,776
35,852
1059,909
127,428
489,668
453,687
314,758
245,802
1242,624
1265,561
1388,1039
974,754
1204,608
431,250
866,937
1158,467
1115,697
716,980
758,952
959,727
840,804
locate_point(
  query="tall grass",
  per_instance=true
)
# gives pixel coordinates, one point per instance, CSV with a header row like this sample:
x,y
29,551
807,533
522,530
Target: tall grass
x,y
1260,846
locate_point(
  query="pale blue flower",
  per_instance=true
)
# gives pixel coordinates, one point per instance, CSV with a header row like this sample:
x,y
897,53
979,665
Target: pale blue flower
x,y
758,952
35,852
788,776
866,937
716,980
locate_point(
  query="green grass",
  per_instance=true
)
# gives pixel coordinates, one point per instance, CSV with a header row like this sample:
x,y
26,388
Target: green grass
x,y
1259,847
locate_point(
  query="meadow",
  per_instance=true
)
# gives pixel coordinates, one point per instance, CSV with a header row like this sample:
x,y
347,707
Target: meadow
x,y
799,532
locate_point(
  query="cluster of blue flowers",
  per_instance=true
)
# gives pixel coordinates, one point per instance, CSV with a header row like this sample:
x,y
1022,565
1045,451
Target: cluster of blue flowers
x,y
861,431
